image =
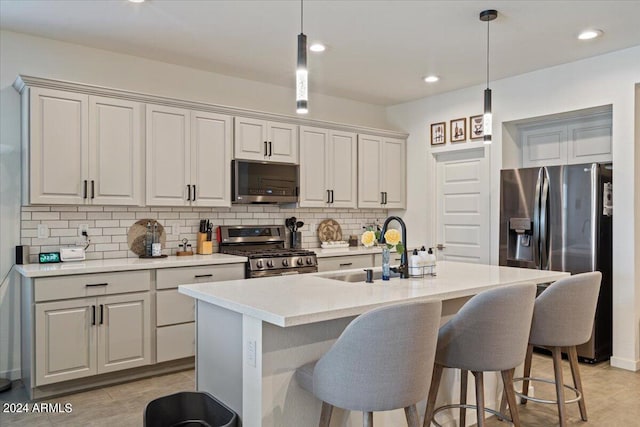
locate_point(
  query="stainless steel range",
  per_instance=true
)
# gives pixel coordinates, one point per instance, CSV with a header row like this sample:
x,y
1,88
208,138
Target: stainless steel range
x,y
265,248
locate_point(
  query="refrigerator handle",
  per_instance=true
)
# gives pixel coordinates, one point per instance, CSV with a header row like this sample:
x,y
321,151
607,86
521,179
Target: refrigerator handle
x,y
536,220
544,231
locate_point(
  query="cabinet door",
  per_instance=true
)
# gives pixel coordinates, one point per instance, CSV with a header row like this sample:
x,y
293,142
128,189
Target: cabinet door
x,y
394,173
65,340
58,144
115,158
168,156
283,142
544,146
250,139
211,159
124,331
342,164
589,141
369,173
314,146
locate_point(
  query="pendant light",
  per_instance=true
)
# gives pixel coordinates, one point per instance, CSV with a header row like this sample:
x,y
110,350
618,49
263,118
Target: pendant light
x,y
487,119
302,74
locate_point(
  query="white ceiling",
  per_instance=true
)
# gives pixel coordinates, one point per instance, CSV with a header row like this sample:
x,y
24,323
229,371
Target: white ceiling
x,y
378,51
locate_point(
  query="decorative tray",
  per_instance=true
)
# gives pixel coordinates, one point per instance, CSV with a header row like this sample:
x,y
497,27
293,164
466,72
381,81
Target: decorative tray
x,y
341,244
329,231
138,232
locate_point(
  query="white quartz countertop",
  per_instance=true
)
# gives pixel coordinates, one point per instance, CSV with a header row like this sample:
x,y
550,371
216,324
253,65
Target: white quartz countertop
x,y
124,264
309,298
353,250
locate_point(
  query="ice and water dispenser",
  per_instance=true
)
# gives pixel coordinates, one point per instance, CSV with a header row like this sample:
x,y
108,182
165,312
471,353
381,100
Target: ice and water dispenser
x,y
520,243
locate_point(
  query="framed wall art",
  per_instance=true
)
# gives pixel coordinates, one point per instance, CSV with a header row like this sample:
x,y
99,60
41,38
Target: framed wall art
x,y
438,133
476,127
458,130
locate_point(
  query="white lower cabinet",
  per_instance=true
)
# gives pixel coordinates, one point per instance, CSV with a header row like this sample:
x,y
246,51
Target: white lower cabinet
x,y
88,336
345,262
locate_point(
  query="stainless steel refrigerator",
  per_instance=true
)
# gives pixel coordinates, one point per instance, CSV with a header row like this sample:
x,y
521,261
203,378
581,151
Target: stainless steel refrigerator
x,y
559,218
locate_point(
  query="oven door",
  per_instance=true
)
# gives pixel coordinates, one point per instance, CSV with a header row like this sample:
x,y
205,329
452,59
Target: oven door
x,y
282,272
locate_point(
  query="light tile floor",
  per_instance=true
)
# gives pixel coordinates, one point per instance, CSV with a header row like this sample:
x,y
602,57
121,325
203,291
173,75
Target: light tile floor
x,y
612,396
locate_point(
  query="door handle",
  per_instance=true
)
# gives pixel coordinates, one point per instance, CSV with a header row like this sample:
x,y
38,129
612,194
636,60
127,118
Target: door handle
x,y
188,192
265,149
101,314
84,192
93,315
93,189
194,192
440,246
270,149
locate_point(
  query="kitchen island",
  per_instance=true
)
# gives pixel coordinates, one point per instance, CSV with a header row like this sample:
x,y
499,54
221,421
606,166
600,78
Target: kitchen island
x,y
252,334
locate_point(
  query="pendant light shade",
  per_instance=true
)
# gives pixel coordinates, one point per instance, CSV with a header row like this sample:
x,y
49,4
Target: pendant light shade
x,y
302,73
487,122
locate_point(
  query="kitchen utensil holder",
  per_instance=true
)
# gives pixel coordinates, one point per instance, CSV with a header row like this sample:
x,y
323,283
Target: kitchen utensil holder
x,y
204,246
295,240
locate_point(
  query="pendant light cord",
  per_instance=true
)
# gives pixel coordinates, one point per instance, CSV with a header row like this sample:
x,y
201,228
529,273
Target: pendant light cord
x,y
488,54
301,15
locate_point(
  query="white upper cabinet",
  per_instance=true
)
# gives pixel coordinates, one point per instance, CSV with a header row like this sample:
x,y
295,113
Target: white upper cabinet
x,y
328,168
115,151
381,172
84,149
188,157
266,141
58,147
573,141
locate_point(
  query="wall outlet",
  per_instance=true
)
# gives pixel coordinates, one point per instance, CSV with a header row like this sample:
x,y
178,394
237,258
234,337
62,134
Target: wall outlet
x,y
83,228
251,353
43,231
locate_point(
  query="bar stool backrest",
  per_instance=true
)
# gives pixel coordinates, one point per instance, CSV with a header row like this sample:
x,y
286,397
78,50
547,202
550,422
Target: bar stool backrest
x,y
383,360
564,313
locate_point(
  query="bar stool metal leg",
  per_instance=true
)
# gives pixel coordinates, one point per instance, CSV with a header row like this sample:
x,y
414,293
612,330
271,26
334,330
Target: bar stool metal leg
x,y
479,397
556,352
510,396
411,412
577,382
367,419
464,375
325,414
433,394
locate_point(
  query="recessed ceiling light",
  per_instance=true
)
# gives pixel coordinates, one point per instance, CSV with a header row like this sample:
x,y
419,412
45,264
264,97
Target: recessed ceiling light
x,y
431,79
590,34
317,47
136,1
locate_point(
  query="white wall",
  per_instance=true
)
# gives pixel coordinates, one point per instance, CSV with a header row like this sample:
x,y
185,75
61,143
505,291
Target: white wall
x,y
602,80
39,57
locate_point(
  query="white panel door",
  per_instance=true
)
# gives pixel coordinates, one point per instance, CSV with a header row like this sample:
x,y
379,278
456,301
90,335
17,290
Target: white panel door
x,y
394,173
59,147
283,142
369,174
65,340
590,141
210,159
544,146
314,155
343,168
250,140
115,158
462,206
168,156
124,331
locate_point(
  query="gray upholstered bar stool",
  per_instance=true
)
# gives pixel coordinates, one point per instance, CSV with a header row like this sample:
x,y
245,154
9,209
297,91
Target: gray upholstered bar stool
x,y
381,361
489,333
563,317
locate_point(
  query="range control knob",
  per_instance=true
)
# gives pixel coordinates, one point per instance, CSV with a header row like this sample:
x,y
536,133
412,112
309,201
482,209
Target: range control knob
x,y
285,262
259,263
270,263
309,261
300,261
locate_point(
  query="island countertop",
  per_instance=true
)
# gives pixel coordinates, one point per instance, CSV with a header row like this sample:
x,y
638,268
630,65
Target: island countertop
x,y
301,299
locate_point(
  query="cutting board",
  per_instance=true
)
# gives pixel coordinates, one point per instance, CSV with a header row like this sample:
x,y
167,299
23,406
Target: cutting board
x,y
329,231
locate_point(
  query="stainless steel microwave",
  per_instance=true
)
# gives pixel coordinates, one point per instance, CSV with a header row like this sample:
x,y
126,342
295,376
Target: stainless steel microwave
x,y
264,182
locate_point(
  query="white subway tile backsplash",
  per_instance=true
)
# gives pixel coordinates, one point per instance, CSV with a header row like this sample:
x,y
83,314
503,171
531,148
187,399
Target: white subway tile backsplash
x,y
73,215
56,224
123,215
99,215
107,223
90,208
46,241
36,208
66,232
112,231
65,208
45,215
104,247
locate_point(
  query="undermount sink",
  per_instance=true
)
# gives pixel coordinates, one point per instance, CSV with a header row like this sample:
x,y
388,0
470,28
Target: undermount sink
x,y
360,276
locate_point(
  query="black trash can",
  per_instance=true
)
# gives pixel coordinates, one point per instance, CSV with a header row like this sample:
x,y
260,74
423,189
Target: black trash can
x,y
189,409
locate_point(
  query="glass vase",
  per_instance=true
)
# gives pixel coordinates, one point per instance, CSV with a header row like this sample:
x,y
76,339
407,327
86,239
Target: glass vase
x,y
386,257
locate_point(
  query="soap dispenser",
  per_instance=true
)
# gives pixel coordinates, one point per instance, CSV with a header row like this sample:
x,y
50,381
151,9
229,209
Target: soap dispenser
x,y
431,262
415,270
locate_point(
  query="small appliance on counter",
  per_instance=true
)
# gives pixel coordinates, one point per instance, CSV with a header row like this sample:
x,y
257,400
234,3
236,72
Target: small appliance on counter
x,y
22,254
72,253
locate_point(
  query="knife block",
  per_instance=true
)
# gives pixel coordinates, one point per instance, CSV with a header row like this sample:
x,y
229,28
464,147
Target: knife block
x,y
204,246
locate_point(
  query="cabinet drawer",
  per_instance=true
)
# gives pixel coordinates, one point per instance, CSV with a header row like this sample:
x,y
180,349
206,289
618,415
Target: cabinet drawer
x,y
176,342
345,262
168,278
173,307
85,285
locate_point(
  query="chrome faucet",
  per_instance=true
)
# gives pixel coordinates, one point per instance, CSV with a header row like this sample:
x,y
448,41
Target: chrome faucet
x,y
404,266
